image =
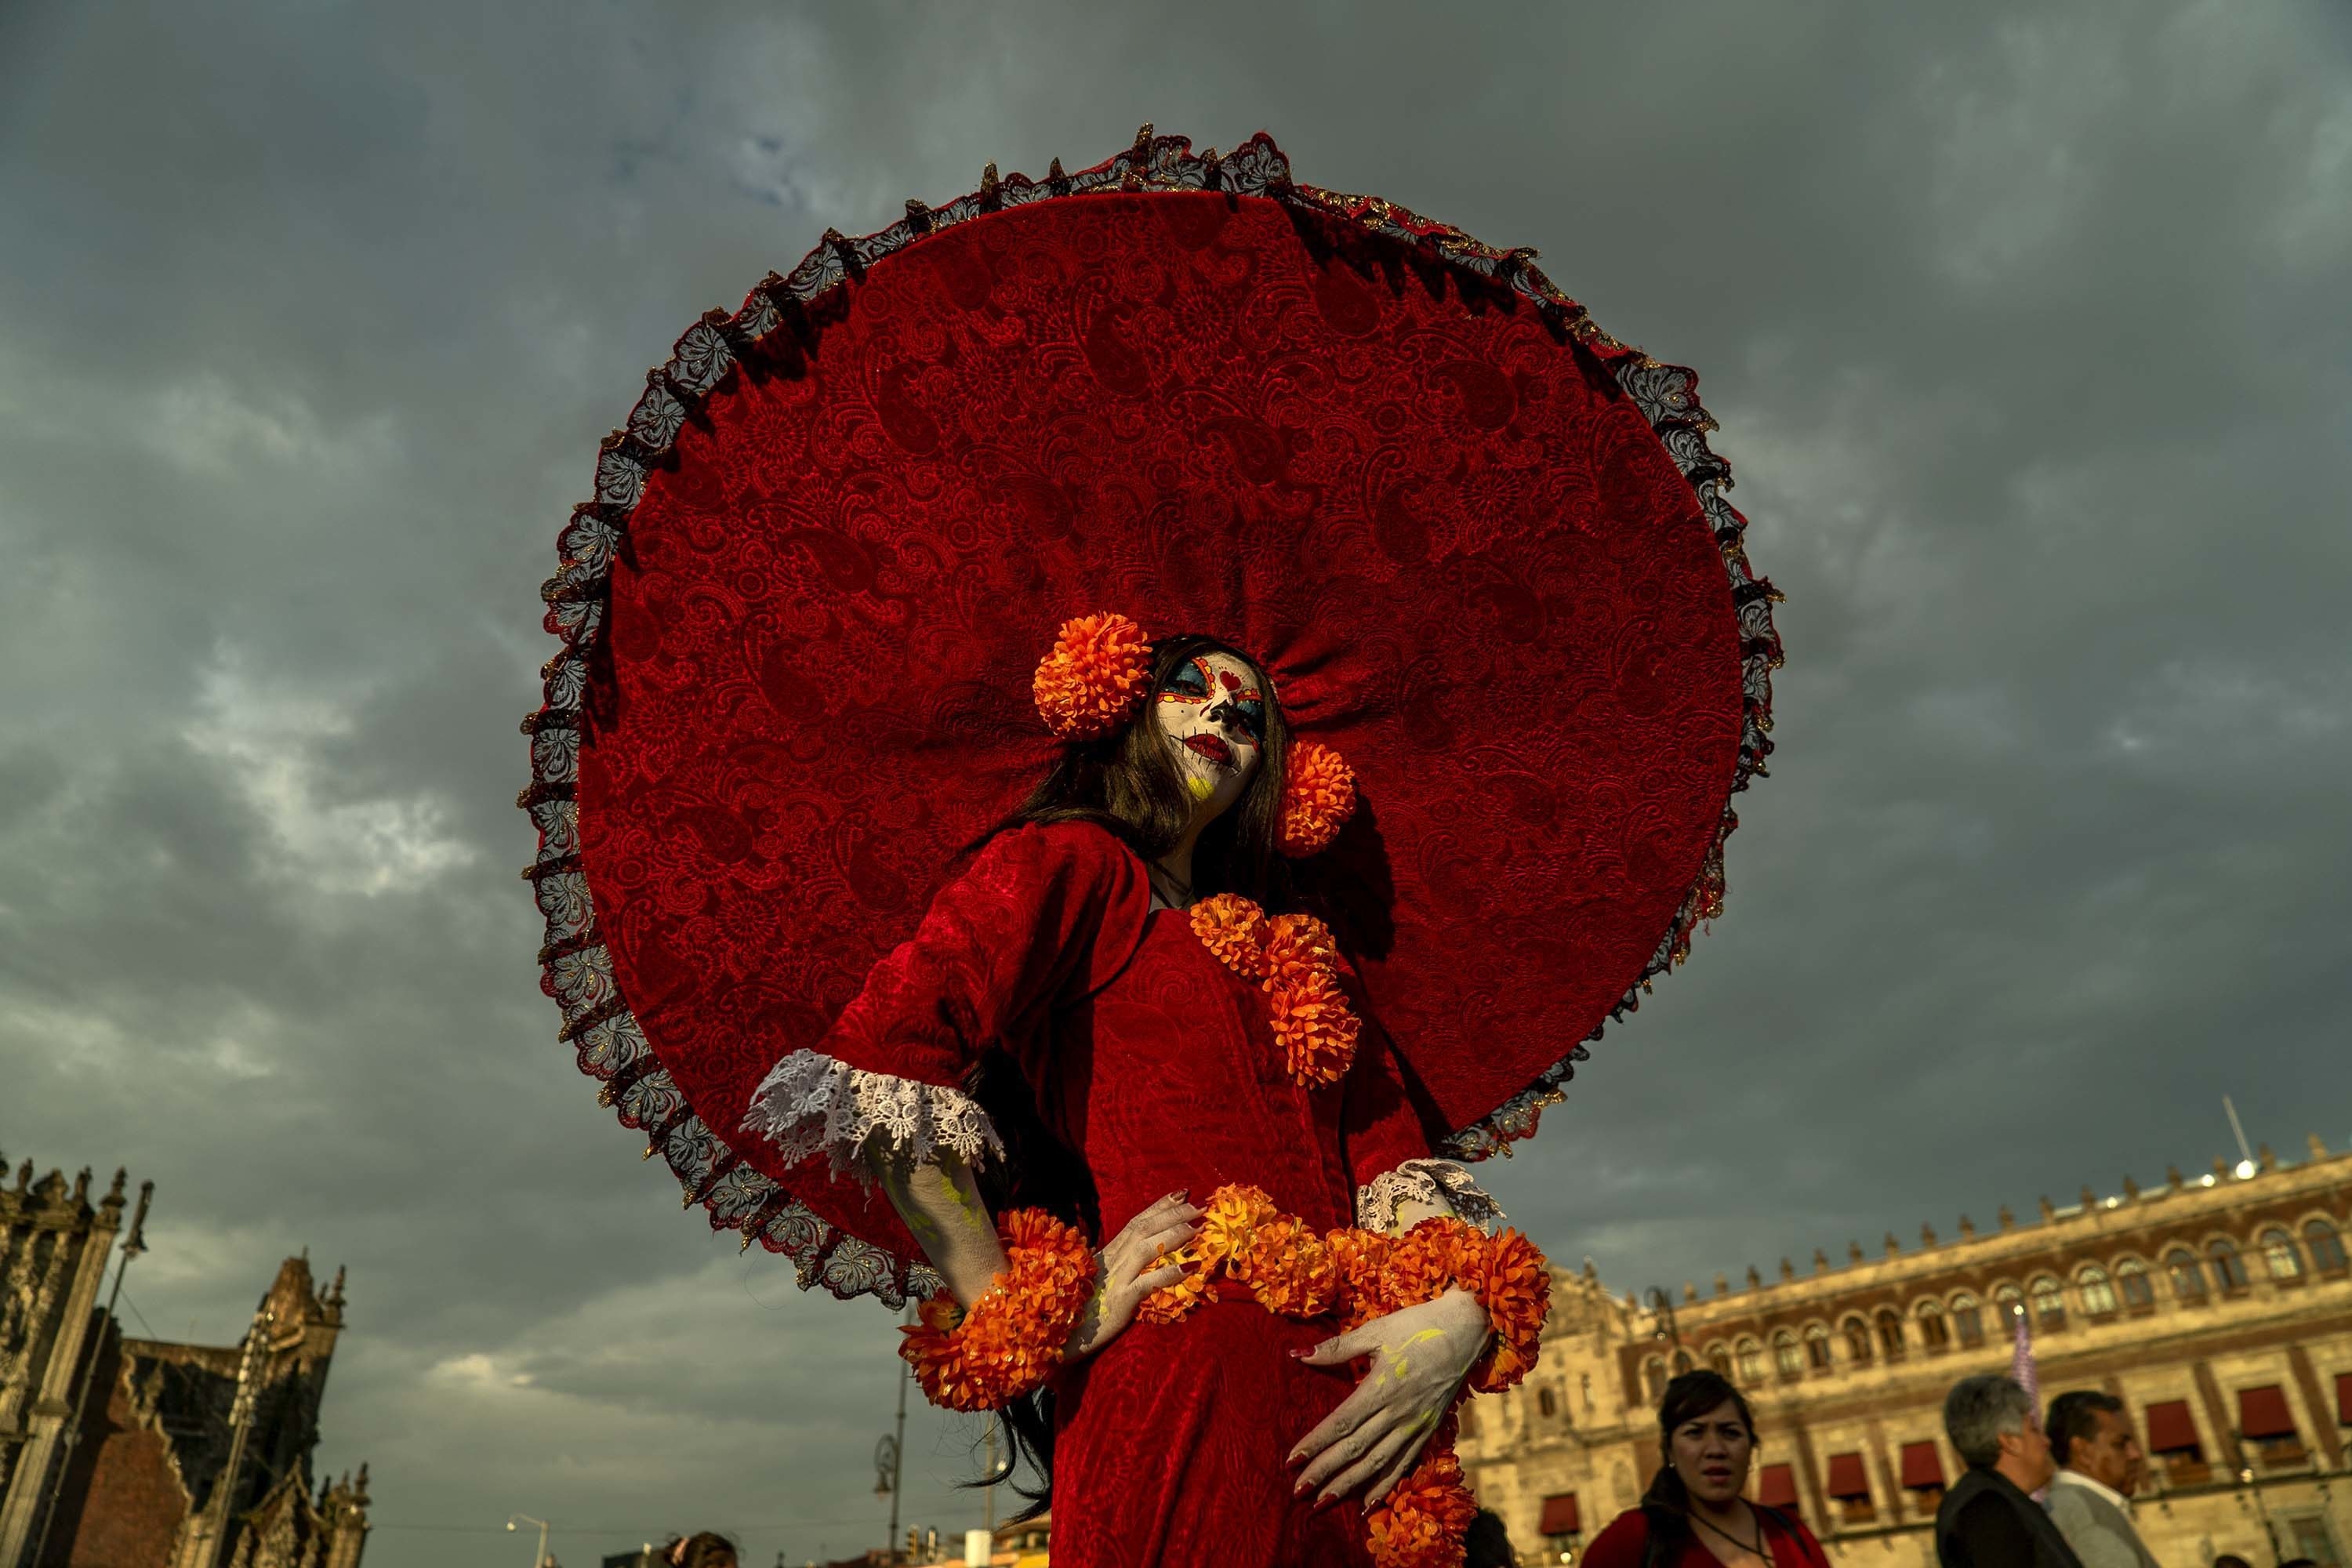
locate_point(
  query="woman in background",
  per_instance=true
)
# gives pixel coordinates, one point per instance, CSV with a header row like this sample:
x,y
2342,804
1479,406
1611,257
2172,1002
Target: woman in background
x,y
1693,1515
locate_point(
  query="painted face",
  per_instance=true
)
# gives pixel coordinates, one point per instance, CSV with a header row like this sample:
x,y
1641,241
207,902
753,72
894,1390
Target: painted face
x,y
1214,712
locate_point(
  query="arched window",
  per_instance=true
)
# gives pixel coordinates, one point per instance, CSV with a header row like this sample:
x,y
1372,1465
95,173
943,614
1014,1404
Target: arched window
x,y
1718,1356
1547,1402
2048,1305
1786,1358
2098,1293
2280,1255
1890,1332
1751,1361
1967,1319
2326,1247
2229,1269
1857,1340
2007,1302
1934,1332
1654,1377
2187,1278
1817,1347
2131,1279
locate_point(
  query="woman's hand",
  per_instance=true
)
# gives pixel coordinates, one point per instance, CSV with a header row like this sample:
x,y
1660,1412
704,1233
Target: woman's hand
x,y
1125,1275
1420,1356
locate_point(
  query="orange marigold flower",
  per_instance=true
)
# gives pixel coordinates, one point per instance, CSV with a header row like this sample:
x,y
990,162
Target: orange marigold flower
x,y
1516,1293
1090,683
1010,1339
1230,1218
1315,1029
1359,1255
1173,1303
1318,795
1288,1269
1233,929
1434,1256
1298,946
1423,1523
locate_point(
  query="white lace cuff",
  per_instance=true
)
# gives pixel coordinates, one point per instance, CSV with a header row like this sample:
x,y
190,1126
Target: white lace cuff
x,y
1441,1183
809,1103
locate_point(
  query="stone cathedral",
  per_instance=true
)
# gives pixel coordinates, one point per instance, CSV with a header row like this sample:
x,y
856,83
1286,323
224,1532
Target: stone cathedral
x,y
118,1452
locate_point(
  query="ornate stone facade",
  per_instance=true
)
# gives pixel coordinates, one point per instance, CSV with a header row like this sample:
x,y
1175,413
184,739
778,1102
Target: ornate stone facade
x,y
2218,1308
186,1456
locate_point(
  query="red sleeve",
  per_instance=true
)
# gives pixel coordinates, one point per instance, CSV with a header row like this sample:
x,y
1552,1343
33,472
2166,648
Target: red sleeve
x,y
1379,1128
1043,917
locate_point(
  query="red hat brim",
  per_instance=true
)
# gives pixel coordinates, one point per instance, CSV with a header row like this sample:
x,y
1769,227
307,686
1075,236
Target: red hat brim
x,y
1479,546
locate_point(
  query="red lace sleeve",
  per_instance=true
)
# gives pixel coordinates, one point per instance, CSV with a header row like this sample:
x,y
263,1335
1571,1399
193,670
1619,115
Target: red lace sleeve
x,y
1043,917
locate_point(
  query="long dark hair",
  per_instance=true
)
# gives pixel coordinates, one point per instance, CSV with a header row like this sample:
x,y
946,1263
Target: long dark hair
x,y
1130,784
1688,1397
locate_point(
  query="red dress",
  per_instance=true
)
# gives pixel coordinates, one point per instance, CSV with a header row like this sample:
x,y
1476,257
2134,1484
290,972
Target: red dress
x,y
1156,1064
1626,1542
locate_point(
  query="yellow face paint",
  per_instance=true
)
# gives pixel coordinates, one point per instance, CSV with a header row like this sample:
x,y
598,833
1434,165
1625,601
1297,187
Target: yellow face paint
x,y
1400,1362
1200,788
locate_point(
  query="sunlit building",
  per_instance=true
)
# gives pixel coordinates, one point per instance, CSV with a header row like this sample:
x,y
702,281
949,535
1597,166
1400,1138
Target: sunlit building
x,y
2218,1307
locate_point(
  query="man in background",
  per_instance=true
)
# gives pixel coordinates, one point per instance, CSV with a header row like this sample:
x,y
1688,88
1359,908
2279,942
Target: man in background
x,y
1987,1520
2090,1498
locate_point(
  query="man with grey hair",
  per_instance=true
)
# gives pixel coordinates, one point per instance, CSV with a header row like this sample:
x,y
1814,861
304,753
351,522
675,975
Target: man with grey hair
x,y
1988,1519
2089,1500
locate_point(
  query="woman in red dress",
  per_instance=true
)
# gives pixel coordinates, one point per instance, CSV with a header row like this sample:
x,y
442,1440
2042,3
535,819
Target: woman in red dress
x,y
1694,1515
1066,945
870,986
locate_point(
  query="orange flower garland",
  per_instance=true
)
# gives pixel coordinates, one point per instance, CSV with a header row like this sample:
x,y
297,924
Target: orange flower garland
x,y
1295,960
1363,1274
1089,683
1318,795
1011,1339
1422,1523
1515,1291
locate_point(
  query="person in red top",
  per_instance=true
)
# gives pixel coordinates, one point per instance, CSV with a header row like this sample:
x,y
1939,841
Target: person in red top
x,y
1693,1515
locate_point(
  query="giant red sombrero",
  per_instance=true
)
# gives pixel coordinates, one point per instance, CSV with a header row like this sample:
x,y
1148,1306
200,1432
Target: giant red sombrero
x,y
1480,546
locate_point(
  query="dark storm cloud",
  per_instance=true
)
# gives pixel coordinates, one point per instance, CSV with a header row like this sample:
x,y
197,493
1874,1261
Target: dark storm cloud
x,y
2025,332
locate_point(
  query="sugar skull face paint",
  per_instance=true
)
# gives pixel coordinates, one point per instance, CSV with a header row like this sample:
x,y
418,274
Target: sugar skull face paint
x,y
1214,712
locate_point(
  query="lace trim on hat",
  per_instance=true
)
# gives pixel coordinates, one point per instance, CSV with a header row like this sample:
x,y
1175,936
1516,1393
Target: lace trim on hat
x,y
811,1104
1436,1183
1668,396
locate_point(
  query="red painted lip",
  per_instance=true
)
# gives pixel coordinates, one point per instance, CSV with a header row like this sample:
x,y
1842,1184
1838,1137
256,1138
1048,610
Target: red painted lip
x,y
1211,747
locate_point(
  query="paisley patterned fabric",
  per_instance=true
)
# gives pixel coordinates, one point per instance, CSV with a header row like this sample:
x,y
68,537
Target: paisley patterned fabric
x,y
1481,547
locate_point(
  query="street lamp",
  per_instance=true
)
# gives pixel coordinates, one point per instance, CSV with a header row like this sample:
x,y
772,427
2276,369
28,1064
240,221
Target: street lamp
x,y
538,1558
2246,1479
1662,1314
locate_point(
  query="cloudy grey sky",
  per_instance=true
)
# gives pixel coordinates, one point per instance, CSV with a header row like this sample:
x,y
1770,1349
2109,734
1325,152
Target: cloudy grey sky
x,y
2028,334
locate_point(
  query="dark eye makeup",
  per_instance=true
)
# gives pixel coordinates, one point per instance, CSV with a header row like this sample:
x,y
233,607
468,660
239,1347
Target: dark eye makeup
x,y
1196,682
1188,683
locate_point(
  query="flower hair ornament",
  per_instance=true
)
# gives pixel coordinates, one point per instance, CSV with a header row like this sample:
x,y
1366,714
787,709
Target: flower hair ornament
x,y
1095,678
